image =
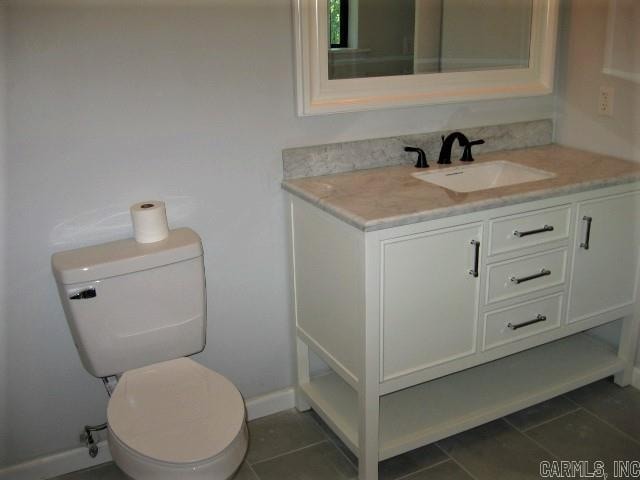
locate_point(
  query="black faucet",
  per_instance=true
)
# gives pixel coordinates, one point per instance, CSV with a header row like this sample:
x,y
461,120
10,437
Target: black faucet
x,y
422,158
463,141
447,144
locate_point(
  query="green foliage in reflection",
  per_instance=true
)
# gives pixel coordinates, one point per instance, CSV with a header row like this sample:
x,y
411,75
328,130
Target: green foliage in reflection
x,y
334,21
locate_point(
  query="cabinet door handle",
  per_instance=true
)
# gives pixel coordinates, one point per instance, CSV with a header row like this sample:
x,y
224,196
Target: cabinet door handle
x,y
587,236
546,228
538,319
543,273
476,259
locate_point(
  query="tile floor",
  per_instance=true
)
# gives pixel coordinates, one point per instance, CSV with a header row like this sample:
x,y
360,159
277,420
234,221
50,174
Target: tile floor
x,y
598,422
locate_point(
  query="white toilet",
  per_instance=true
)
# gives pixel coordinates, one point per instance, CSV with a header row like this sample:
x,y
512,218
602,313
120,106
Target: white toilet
x,y
135,311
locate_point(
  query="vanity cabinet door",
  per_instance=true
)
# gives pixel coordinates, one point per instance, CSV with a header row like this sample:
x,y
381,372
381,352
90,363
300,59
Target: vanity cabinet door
x,y
605,255
429,299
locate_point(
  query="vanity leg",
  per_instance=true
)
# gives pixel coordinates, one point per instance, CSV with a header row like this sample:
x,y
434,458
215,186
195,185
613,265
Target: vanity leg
x,y
627,349
302,367
369,377
369,406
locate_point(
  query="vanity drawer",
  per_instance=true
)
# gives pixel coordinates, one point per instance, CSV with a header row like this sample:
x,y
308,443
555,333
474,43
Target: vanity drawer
x,y
526,274
529,229
522,321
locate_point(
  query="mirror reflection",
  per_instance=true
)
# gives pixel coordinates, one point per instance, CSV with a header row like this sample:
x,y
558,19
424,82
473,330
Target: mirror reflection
x,y
373,38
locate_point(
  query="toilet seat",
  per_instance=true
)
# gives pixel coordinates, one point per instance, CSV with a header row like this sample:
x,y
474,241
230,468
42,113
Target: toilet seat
x,y
176,413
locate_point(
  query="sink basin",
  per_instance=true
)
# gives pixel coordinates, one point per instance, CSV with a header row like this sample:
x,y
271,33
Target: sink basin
x,y
483,176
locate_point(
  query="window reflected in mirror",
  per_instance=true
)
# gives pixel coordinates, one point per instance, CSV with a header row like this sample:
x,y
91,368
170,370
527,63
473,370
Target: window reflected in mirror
x,y
374,38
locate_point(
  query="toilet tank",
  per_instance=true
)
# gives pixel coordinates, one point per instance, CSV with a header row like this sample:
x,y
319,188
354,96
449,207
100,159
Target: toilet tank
x,y
130,304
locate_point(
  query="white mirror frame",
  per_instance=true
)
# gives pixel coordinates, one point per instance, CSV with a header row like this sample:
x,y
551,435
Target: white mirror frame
x,y
317,95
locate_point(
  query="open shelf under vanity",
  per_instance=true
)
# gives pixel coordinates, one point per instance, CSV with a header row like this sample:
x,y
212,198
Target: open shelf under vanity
x,y
445,406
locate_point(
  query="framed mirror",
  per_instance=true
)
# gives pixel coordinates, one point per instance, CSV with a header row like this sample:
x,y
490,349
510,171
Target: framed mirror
x,y
354,55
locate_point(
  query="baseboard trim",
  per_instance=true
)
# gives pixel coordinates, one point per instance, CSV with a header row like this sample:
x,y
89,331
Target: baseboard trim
x,y
56,464
635,380
78,458
270,403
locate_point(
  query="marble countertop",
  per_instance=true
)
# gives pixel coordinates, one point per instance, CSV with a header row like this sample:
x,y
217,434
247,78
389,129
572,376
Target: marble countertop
x,y
386,197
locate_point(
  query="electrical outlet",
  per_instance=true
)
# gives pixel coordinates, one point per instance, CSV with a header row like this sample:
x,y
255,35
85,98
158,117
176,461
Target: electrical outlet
x,y
605,102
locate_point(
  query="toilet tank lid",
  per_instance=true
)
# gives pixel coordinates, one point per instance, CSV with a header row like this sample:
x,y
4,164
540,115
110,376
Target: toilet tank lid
x,y
124,256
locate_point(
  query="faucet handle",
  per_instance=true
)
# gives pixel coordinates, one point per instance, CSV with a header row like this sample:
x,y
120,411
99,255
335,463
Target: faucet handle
x,y
422,157
466,155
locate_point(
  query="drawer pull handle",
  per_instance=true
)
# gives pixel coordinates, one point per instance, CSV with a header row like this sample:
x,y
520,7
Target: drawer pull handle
x,y
546,228
476,259
587,237
538,319
543,273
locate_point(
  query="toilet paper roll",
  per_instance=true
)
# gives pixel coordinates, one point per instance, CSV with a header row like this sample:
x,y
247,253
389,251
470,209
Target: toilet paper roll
x,y
149,221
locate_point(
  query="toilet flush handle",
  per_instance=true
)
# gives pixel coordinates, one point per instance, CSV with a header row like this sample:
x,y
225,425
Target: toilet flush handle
x,y
84,294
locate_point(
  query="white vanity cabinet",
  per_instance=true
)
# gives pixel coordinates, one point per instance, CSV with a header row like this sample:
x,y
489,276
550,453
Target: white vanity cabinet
x,y
435,327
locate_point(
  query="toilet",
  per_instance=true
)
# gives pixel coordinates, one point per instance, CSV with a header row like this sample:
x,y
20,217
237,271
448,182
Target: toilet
x,y
136,312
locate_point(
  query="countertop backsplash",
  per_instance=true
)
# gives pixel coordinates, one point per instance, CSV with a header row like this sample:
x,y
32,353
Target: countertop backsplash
x,y
383,152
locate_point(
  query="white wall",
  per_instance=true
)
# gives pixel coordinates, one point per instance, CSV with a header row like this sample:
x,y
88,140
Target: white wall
x,y
193,105
4,378
583,38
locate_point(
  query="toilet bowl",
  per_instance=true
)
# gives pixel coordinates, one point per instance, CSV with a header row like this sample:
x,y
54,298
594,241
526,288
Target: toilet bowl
x,y
176,420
